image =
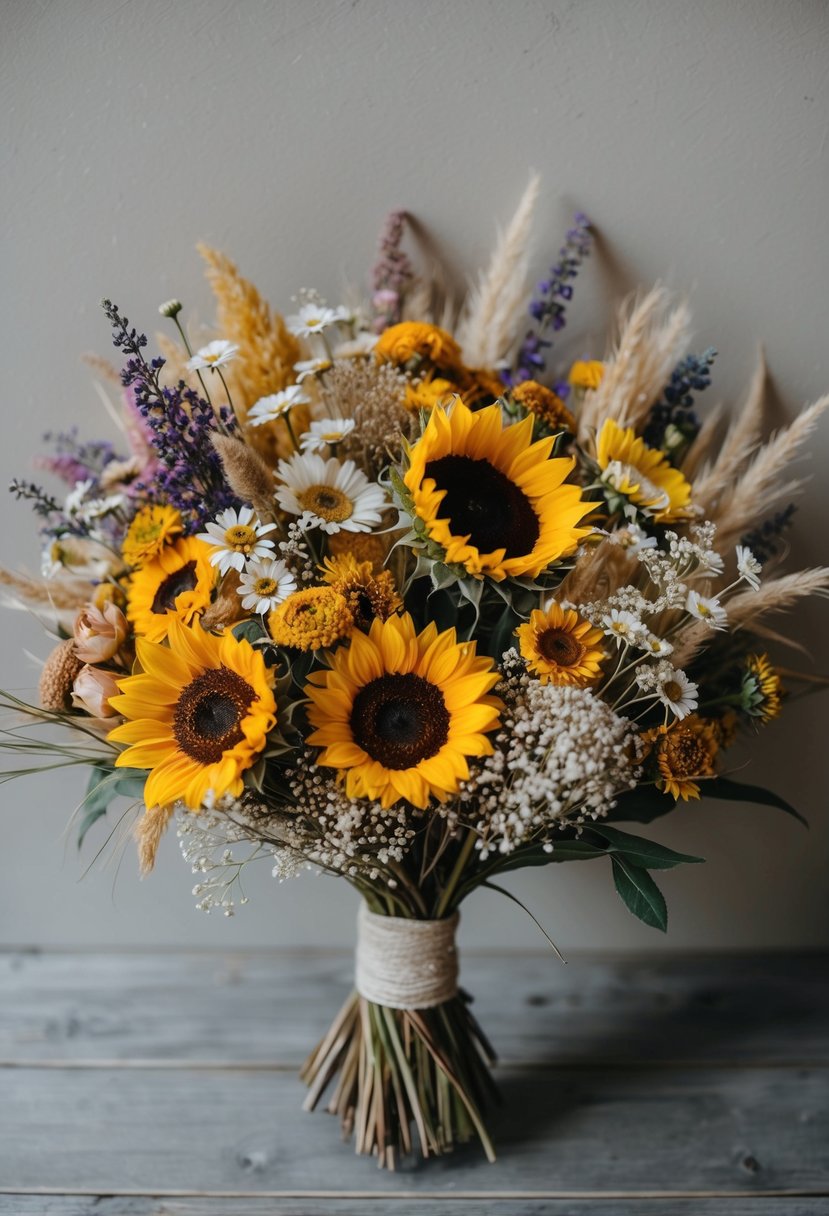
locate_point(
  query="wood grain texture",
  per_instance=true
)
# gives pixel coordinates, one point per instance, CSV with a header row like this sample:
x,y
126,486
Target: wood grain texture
x,y
269,1007
108,1205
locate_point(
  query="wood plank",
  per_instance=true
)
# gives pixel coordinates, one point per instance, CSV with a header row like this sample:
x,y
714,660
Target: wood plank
x,y
108,1205
577,1132
270,1007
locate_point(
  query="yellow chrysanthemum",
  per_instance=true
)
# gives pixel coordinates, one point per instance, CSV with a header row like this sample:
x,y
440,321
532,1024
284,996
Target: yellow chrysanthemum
x,y
762,688
479,386
490,497
641,474
311,619
429,392
174,585
546,405
370,597
418,340
152,528
586,374
400,712
560,647
684,751
198,715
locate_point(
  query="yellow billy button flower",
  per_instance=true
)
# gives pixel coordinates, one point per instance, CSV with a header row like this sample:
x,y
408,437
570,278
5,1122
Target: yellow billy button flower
x,y
311,619
641,474
492,499
684,751
198,715
560,647
175,584
399,712
152,528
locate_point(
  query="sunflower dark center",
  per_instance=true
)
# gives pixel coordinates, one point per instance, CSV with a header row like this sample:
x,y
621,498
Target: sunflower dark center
x,y
400,720
184,579
560,647
208,716
483,504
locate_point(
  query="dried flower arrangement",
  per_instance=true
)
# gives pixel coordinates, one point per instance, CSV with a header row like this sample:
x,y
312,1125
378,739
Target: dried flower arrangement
x,y
376,591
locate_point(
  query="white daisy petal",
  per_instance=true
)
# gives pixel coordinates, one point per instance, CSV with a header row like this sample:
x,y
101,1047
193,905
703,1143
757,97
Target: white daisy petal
x,y
329,495
707,609
215,354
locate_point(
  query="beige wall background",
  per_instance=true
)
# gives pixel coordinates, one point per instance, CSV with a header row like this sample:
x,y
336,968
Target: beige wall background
x,y
695,135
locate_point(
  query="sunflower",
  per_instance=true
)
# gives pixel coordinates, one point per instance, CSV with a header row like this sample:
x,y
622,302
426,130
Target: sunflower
x,y
176,584
152,528
560,647
641,474
370,596
400,712
683,751
311,619
197,716
490,497
761,690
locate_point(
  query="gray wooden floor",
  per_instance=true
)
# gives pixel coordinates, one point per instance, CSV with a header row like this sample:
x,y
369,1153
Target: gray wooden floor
x,y
138,1084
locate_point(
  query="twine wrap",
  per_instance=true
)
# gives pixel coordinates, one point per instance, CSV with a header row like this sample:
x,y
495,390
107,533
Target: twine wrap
x,y
405,963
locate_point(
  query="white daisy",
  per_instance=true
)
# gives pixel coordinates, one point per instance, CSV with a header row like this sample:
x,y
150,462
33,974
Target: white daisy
x,y
325,431
675,690
622,625
266,584
658,647
215,354
268,409
75,498
310,367
748,566
708,609
329,495
236,538
633,538
311,319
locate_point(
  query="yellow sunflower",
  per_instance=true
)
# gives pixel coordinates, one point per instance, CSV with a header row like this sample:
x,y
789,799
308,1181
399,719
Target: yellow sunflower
x,y
490,497
176,584
198,715
560,647
152,528
369,596
684,751
400,712
641,474
762,689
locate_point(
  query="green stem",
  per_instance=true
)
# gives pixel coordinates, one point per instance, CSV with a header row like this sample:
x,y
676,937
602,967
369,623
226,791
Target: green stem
x,y
444,902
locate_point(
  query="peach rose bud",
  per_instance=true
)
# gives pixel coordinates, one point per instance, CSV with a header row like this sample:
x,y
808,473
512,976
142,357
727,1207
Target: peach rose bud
x,y
92,690
100,632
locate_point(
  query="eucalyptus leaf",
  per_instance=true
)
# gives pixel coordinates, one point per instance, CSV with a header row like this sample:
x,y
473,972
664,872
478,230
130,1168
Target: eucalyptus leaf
x,y
642,852
251,631
736,791
639,893
642,805
105,784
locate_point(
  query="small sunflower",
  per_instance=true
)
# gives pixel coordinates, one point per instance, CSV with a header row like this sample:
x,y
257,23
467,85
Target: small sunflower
x,y
761,691
370,597
543,404
684,751
198,715
400,712
176,584
560,647
311,619
641,474
152,528
491,498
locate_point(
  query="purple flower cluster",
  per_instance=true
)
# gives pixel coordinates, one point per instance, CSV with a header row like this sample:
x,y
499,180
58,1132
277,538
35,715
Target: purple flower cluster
x,y
73,460
548,307
766,540
391,274
180,426
673,424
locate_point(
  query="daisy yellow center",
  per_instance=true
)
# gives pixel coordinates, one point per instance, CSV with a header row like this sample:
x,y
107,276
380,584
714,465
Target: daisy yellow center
x,y
179,581
400,720
240,537
485,505
264,586
560,647
208,715
327,502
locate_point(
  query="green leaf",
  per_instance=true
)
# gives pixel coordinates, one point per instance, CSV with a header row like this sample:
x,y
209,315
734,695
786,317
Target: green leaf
x,y
736,791
642,852
640,893
105,784
249,631
642,805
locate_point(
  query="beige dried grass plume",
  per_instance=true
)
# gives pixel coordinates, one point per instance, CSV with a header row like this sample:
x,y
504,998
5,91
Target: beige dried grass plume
x,y
652,339
248,475
740,443
148,832
493,311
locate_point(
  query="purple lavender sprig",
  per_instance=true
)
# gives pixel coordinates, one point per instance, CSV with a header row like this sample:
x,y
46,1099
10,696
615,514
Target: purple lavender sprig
x,y
391,274
549,306
75,460
766,540
673,425
181,426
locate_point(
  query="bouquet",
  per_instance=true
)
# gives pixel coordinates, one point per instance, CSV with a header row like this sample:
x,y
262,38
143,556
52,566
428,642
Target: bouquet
x,y
385,590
